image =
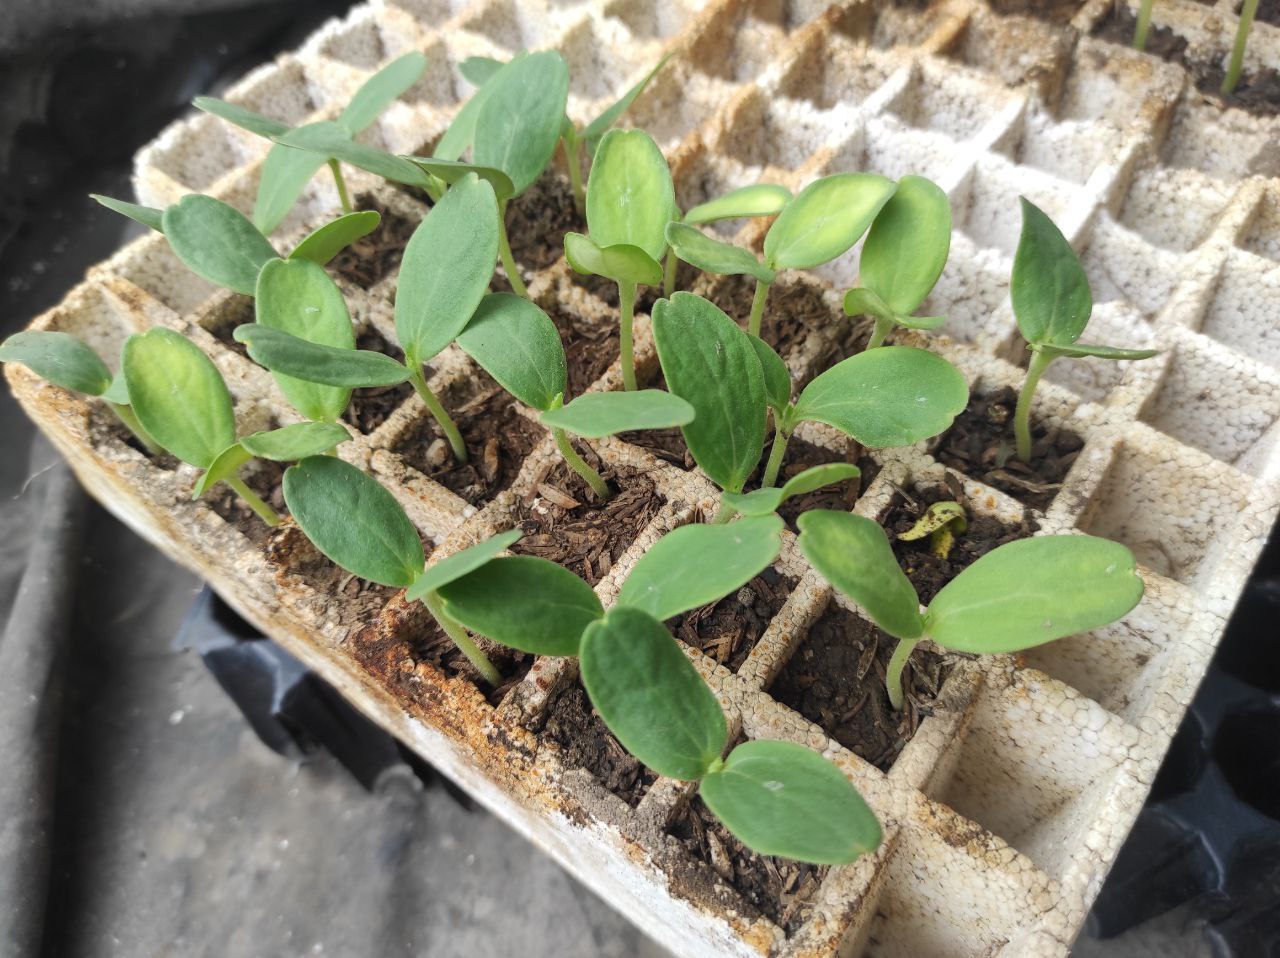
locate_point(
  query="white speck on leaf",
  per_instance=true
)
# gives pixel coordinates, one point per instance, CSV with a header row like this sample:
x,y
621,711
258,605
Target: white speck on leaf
x,y
773,786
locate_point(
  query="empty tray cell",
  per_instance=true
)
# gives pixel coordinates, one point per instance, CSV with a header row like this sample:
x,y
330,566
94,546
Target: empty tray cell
x,y
1017,49
151,265
884,25
1108,82
367,42
280,92
1121,265
196,155
1199,500
1072,150
598,69
652,21
431,12
102,322
1036,763
775,137
514,26
1228,144
1262,234
439,84
679,99
1245,306
832,71
1174,208
949,101
952,888
708,176
892,149
737,44
1089,377
986,205
971,292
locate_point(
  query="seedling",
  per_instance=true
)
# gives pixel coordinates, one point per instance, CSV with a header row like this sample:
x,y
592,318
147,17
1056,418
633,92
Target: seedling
x,y
1052,303
762,199
1247,12
287,170
443,276
822,222
518,345
480,70
68,362
630,200
778,798
1017,596
941,522
1143,25
905,252
181,400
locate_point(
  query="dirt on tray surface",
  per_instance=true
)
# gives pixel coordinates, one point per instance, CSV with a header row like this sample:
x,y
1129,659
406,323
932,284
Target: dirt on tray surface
x,y
563,521
586,743
928,571
373,257
370,408
498,439
778,888
836,679
590,346
1258,91
980,444
727,630
429,643
264,477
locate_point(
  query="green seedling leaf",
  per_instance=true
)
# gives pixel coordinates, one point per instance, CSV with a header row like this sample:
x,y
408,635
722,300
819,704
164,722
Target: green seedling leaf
x,y
146,215
223,467
908,244
622,264
596,415
1048,287
597,128
630,197
451,171
241,116
178,395
217,242
650,696
861,301
285,174
526,603
354,521
479,70
938,516
891,396
1076,350
462,563
323,244
763,501
784,799
762,199
331,141
297,441
825,219
777,377
60,358
446,269
713,256
298,297
517,344
381,90
461,134
853,554
1025,593
290,356
117,393
518,123
709,361
697,564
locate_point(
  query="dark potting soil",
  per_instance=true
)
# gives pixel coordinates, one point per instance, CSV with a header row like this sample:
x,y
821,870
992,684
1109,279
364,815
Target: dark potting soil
x,y
586,743
980,444
794,310
929,572
590,347
563,521
801,455
836,679
370,408
1258,91
1052,11
497,437
778,888
1268,12
264,477
729,629
538,219
107,431
372,257
238,311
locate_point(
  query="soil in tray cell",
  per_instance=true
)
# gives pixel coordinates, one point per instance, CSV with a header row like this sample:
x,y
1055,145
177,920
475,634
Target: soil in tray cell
x,y
564,522
927,570
538,219
264,477
980,444
375,256
586,743
1052,11
778,888
370,408
836,679
793,311
801,455
727,630
590,347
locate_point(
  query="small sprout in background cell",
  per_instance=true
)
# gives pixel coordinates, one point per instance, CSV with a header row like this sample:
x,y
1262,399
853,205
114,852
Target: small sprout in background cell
x,y
181,400
1052,303
288,168
1143,24
517,344
1017,596
68,362
630,200
941,522
820,223
902,258
1248,11
761,199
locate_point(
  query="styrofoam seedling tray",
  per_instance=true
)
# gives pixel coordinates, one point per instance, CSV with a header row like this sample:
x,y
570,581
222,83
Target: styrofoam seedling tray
x,y
1005,811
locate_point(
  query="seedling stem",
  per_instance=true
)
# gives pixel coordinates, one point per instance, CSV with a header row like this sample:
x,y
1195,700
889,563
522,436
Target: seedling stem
x,y
438,412
1247,13
1022,412
504,250
130,420
757,307
462,639
882,329
264,511
1143,25
626,307
341,184
579,465
898,662
726,513
776,455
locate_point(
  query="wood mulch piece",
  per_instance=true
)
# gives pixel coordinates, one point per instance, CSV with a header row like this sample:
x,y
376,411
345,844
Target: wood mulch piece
x,y
372,257
585,742
836,679
728,629
980,444
778,888
370,408
562,521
